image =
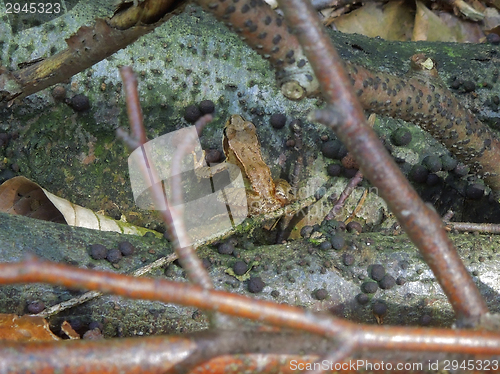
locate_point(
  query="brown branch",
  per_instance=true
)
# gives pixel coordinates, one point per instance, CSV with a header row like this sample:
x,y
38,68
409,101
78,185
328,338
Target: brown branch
x,y
179,353
344,195
171,215
419,97
88,46
423,225
363,337
489,228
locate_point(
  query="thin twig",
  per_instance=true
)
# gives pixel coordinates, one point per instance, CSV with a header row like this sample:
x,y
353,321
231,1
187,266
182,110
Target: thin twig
x,y
363,337
90,295
170,215
351,186
345,116
489,228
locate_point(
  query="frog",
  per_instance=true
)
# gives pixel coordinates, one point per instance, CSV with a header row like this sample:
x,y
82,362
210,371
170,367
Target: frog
x,y
241,147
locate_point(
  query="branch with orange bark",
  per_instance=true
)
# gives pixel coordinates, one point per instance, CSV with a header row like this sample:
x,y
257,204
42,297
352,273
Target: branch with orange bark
x,y
362,337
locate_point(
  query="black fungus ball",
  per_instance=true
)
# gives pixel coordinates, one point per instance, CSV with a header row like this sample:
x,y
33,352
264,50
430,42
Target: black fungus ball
x,y
456,83
377,272
212,156
240,267
432,163
342,152
418,174
126,248
338,242
330,149
474,191
379,308
192,113
334,170
278,120
325,246
354,227
80,103
256,284
114,256
369,287
320,294
387,282
425,320
432,180
448,162
98,251
350,173
226,248
401,137
362,298
94,334
469,86
36,307
493,38
306,231
59,93
334,225
4,139
348,259
207,106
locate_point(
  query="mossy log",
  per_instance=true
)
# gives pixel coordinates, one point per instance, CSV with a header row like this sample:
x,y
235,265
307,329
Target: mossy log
x,y
292,273
192,58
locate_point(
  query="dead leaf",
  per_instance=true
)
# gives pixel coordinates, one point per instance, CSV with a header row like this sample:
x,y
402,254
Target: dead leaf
x,y
463,31
25,329
20,196
430,27
392,21
69,331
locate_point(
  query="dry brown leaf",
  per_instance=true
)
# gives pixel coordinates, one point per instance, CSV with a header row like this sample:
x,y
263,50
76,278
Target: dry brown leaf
x,y
392,21
20,196
463,31
25,329
430,27
69,331
491,19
